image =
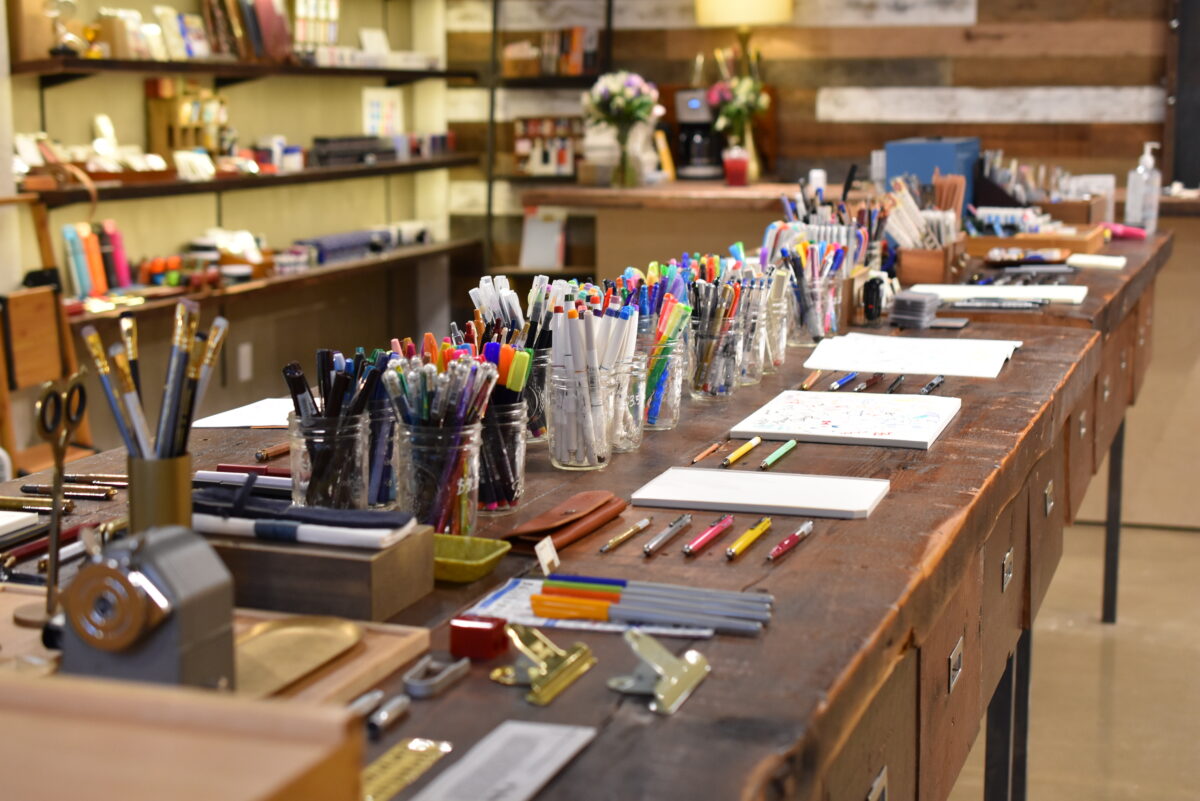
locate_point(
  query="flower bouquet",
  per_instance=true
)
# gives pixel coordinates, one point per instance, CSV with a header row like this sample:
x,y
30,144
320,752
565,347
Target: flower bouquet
x,y
736,101
621,99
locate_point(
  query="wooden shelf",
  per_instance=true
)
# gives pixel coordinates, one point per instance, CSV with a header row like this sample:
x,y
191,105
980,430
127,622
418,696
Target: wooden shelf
x,y
65,197
63,69
535,179
395,258
549,82
562,272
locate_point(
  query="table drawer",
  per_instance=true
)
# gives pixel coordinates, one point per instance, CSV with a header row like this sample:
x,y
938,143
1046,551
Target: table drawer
x,y
1113,384
879,759
1081,451
950,670
1005,575
1047,517
1143,341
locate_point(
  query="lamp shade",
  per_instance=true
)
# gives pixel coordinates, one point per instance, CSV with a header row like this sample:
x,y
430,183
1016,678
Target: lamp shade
x,y
739,13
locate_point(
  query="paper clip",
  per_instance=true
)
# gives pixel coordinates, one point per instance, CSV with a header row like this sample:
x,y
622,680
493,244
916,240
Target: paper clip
x,y
546,668
430,677
661,674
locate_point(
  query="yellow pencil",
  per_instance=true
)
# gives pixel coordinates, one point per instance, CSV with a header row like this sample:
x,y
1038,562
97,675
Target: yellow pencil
x,y
740,452
746,540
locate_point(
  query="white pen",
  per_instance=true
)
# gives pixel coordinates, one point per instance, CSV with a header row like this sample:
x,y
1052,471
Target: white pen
x,y
667,534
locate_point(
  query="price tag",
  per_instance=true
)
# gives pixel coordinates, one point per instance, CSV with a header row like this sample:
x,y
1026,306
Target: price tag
x,y
547,555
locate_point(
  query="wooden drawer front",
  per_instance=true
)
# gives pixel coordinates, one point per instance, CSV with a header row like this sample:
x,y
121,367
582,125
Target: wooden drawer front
x,y
1143,340
950,672
881,752
1081,451
1005,568
1113,384
1047,516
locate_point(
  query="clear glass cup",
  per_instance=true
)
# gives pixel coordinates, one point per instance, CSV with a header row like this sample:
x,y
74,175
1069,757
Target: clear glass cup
x,y
579,419
381,455
778,326
646,327
502,458
754,343
437,473
822,308
717,361
534,395
329,461
665,366
629,405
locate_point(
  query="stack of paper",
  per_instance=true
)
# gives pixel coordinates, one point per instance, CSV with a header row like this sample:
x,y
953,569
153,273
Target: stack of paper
x,y
1051,293
267,413
871,353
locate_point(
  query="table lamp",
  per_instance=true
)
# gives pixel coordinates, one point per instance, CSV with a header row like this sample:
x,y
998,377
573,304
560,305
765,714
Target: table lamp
x,y
742,14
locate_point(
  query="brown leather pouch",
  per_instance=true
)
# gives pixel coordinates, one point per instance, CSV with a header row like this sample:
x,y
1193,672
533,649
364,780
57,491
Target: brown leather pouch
x,y
573,519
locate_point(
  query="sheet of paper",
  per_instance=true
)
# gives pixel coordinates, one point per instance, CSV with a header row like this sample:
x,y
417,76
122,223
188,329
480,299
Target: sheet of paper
x,y
851,418
1069,293
872,353
267,413
759,493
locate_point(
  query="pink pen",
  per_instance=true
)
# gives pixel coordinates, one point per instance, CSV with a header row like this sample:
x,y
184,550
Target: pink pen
x,y
718,527
791,541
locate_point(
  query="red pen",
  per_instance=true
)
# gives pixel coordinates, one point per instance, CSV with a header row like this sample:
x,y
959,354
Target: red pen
x,y
791,541
718,527
260,469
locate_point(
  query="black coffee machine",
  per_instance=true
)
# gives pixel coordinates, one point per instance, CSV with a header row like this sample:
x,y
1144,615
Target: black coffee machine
x,y
699,145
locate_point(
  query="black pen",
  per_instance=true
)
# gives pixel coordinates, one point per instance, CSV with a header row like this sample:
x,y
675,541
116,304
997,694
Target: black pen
x,y
932,385
895,385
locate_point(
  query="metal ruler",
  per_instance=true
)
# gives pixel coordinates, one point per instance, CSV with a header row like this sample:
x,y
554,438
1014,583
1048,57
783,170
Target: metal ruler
x,y
400,766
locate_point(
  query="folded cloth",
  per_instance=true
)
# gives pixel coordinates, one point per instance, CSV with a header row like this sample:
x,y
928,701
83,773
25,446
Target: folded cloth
x,y
292,531
242,501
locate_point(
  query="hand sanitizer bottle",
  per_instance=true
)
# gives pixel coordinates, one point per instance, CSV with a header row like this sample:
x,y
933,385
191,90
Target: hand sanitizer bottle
x,y
1143,190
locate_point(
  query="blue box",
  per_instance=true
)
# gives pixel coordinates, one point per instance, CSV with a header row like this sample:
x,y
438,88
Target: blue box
x,y
953,155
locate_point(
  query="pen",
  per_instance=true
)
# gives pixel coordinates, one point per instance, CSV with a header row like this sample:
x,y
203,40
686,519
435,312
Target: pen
x,y
387,715
80,492
843,381
667,534
732,458
777,454
260,469
99,479
811,380
895,385
715,529
933,385
746,540
34,504
791,541
870,382
633,530
273,452
129,336
365,704
709,451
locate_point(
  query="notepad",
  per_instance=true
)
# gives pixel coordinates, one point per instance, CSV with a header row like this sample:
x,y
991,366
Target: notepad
x,y
1072,294
851,418
871,353
16,521
755,492
266,413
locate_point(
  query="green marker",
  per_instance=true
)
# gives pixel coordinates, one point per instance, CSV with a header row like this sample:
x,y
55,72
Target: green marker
x,y
778,454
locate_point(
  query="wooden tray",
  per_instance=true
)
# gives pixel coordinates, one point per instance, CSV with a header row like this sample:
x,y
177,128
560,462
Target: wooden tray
x,y
1087,240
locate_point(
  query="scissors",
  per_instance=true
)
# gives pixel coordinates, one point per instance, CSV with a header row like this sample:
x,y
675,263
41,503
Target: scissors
x,y
58,414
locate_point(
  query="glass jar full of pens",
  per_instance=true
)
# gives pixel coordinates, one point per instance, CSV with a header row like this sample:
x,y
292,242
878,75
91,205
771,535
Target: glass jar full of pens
x,y
329,461
629,404
666,363
437,470
502,457
717,360
579,415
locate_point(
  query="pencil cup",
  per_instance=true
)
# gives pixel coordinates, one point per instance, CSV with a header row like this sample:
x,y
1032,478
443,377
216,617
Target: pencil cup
x,y
437,473
160,493
329,461
579,419
664,384
629,407
754,343
820,315
381,455
717,361
502,458
534,395
778,326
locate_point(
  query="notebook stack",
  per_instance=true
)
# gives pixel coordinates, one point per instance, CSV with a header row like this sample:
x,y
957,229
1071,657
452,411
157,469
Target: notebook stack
x,y
914,309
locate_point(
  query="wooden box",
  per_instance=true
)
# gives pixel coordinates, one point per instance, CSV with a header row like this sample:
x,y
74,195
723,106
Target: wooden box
x,y
319,580
30,31
941,266
1078,212
1084,240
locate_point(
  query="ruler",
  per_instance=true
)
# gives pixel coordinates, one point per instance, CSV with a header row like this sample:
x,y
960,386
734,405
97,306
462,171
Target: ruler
x,y
400,766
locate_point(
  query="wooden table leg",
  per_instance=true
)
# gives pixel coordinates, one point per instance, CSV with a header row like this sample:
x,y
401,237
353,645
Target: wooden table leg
x,y
1112,525
998,757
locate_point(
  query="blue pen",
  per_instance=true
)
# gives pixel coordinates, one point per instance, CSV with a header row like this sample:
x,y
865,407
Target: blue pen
x,y
843,381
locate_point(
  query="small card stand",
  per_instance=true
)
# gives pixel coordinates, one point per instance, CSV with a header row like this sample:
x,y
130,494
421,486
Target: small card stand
x,y
669,679
546,668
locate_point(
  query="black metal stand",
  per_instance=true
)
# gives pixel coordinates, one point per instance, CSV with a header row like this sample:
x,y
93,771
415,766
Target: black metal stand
x,y
1005,761
1112,526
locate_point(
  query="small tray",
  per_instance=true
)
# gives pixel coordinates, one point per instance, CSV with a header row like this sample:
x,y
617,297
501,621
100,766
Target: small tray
x,y
462,560
275,654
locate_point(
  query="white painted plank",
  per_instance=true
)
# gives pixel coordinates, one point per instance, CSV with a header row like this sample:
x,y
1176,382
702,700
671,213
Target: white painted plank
x,y
1039,104
863,13
470,104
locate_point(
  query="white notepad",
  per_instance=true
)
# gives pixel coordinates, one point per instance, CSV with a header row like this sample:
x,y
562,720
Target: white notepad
x,y
872,353
1072,294
756,492
15,521
266,413
851,418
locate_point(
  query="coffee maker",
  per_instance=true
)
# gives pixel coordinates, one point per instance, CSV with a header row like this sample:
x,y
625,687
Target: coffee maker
x,y
699,145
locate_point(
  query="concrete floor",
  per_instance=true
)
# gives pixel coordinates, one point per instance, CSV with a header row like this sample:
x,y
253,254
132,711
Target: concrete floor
x,y
1115,710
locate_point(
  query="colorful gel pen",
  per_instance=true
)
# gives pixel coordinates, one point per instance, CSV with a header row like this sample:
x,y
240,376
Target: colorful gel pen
x,y
812,379
895,385
843,381
625,535
667,534
791,541
933,385
870,382
777,454
746,540
732,458
716,529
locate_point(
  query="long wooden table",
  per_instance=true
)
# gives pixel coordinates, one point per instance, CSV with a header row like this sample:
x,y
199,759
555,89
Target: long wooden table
x,y
850,685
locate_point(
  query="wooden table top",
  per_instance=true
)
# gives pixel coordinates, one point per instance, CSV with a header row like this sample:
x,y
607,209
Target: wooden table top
x,y
850,602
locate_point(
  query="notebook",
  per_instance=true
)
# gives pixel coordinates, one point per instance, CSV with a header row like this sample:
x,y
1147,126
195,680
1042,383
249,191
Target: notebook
x,y
16,521
266,413
872,353
851,418
756,492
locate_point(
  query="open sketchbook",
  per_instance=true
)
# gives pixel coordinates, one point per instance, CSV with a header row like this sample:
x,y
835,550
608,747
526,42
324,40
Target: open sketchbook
x,y
851,418
755,492
872,353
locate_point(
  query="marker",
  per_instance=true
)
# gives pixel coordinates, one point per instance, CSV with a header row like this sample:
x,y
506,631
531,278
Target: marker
x,y
895,385
667,534
843,381
715,529
791,541
777,454
933,385
633,530
870,382
732,458
811,380
746,540
709,451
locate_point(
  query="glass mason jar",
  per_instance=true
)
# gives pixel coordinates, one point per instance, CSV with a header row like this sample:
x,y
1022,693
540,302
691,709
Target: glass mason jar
x,y
579,420
754,343
329,461
646,326
665,365
629,406
381,455
502,457
534,394
717,361
822,307
778,325
437,473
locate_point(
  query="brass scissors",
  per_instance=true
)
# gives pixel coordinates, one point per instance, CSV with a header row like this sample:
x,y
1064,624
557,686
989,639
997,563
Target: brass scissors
x,y
58,413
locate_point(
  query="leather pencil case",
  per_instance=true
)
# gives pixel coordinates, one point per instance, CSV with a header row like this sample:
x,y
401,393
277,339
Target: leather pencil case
x,y
571,520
